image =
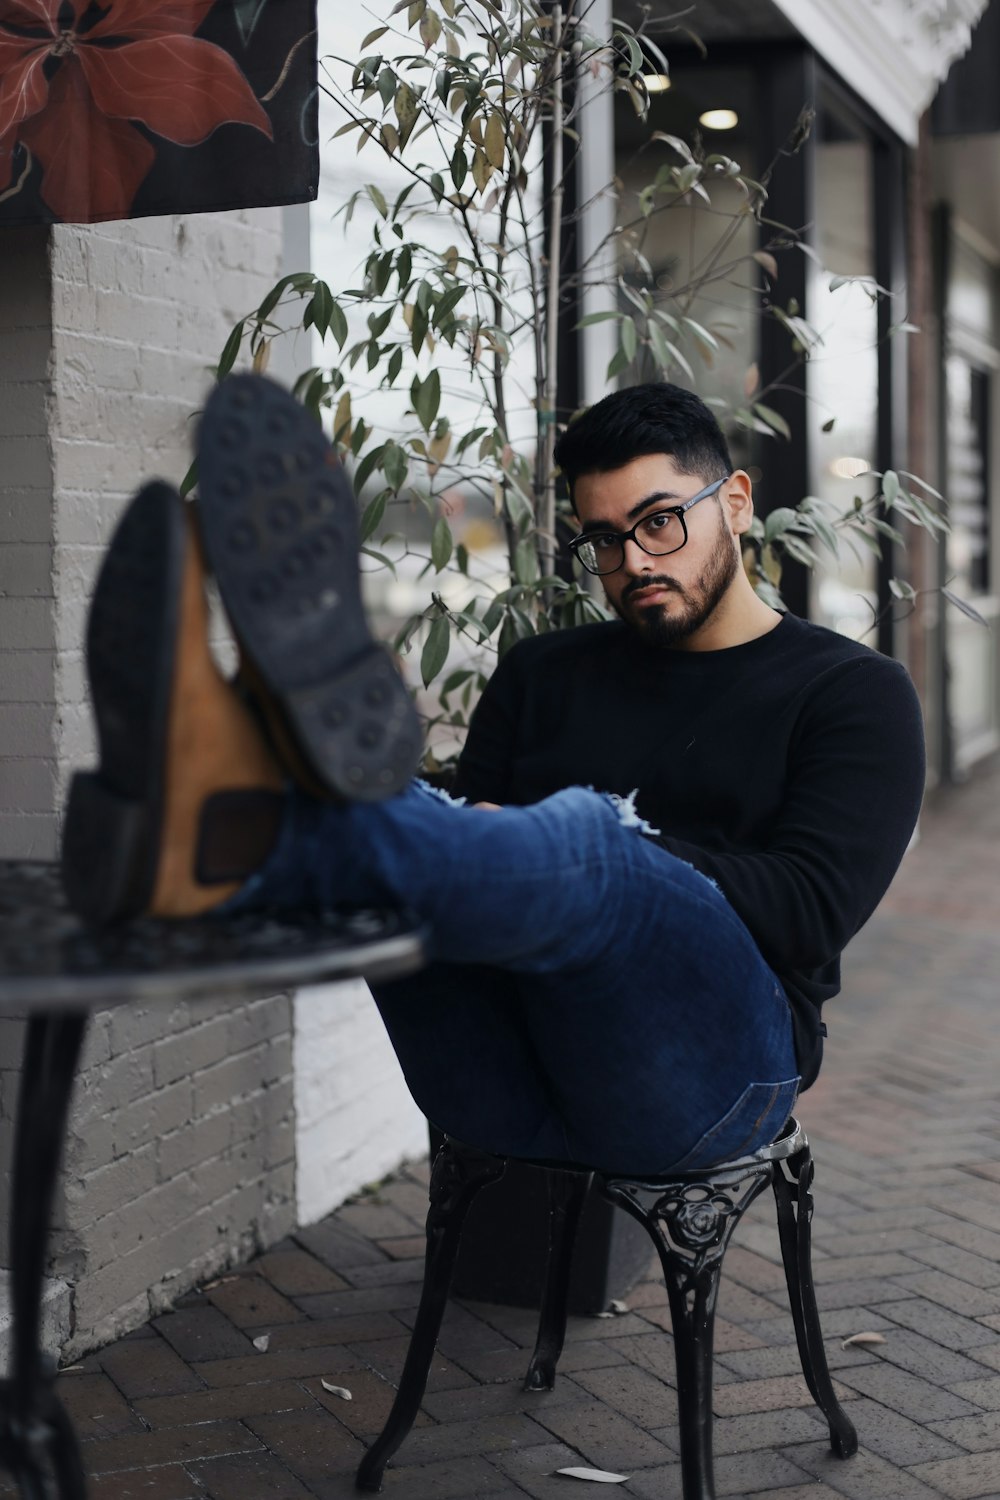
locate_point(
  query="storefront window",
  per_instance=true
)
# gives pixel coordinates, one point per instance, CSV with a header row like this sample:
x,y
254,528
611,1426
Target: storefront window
x,y
842,382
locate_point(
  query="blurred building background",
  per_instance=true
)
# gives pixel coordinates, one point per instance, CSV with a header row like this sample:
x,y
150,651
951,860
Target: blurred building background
x,y
202,1133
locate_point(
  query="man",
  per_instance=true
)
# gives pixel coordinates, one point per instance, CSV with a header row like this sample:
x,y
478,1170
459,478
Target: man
x,y
629,976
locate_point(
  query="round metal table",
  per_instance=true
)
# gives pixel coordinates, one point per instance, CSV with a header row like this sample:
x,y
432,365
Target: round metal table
x,y
55,972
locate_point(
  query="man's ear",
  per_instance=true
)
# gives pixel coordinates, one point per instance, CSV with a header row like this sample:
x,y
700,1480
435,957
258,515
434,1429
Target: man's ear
x,y
738,497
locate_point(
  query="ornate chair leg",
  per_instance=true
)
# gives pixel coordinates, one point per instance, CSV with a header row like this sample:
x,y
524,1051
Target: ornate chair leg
x,y
37,1442
690,1222
567,1194
792,1182
457,1176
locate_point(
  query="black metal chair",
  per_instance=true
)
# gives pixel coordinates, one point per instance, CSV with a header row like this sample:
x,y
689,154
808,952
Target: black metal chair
x,y
690,1218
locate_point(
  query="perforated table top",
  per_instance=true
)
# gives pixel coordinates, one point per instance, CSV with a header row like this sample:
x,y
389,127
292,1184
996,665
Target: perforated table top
x,y
49,960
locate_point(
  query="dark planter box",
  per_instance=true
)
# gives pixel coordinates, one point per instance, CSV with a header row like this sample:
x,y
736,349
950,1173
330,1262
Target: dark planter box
x,y
505,1242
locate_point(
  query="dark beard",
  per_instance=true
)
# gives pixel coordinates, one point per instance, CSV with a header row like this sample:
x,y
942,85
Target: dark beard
x,y
663,628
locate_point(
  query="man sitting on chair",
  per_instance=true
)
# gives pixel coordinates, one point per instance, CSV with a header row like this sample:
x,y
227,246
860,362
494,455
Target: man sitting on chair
x,y
683,814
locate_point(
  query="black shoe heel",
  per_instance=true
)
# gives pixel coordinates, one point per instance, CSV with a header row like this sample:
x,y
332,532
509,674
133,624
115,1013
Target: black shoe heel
x,y
105,852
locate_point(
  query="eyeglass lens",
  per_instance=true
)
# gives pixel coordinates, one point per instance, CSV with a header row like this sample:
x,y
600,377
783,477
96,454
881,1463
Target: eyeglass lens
x,y
658,534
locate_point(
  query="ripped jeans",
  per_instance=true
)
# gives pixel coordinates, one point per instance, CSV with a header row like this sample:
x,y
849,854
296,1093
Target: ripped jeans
x,y
589,997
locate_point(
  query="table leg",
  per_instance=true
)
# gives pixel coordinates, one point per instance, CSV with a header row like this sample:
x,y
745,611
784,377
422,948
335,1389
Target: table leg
x,y
37,1442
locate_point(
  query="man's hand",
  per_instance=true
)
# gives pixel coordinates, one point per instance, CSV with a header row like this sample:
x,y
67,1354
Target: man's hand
x,y
488,806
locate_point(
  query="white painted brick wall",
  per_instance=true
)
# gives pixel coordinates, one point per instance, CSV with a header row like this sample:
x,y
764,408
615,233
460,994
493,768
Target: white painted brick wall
x,y
354,1118
182,1142
27,624
180,1158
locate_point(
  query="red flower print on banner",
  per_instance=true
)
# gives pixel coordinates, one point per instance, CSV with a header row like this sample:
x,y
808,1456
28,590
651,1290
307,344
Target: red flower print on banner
x,y
75,74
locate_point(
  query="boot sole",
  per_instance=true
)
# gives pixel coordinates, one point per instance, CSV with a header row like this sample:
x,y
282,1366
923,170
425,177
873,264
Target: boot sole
x,y
279,527
111,831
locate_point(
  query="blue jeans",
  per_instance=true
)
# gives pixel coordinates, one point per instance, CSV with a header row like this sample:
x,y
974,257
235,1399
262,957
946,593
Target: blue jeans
x,y
589,996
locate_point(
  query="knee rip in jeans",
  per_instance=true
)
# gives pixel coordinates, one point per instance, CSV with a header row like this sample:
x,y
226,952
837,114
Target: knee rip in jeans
x,y
627,815
753,1121
440,793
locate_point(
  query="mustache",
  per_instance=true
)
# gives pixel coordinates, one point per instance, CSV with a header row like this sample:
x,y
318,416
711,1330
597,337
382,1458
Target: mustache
x,y
649,580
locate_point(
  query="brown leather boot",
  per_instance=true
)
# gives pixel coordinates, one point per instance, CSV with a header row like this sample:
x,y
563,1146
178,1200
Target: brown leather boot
x,y
187,799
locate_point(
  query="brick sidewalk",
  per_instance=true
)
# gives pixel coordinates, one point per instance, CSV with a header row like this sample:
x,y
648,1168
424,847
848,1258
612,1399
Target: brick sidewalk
x,y
905,1123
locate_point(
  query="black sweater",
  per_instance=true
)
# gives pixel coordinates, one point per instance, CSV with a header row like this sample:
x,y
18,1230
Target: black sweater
x,y
789,769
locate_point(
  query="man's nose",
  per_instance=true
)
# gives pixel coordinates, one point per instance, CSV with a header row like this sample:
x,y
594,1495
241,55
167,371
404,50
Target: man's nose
x,y
636,560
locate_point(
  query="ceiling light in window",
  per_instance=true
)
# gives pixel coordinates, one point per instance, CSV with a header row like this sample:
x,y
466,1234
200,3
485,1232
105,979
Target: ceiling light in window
x,y
850,468
719,119
656,83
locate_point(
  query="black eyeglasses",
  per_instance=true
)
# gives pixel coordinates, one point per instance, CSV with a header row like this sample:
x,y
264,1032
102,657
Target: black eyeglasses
x,y
659,533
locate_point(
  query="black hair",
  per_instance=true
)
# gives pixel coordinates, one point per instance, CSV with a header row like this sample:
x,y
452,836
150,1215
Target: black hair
x,y
642,419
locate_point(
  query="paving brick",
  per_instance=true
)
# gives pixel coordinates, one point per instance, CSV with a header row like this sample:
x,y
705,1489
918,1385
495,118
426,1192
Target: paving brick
x,y
531,1470
605,1439
637,1394
977,1434
733,1476
285,1364
252,1302
469,1403
179,1444
246,1476
371,1400
96,1406
223,1402
961,1263
895,1437
974,1474
449,1479
938,1324
202,1333
312,1444
412,1247
863,1477
984,1393
741,1396
911,1351
296,1273
166,1482
339,1248
903,1392
148,1369
499,1432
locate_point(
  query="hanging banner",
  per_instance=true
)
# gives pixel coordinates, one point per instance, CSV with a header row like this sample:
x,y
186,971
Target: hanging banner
x,y
114,109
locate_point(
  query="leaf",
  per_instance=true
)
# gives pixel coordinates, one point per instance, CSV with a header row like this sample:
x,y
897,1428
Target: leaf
x,y
861,1339
436,648
628,338
426,398
337,1390
442,544
965,608
230,351
261,1342
338,324
373,36
190,479
680,146
751,380
890,486
829,426
494,139
600,1476
773,419
372,518
766,259
378,198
